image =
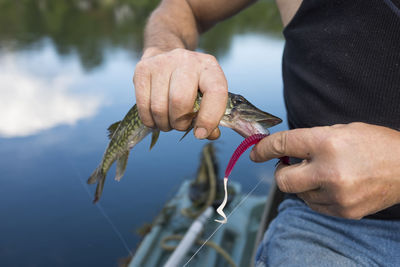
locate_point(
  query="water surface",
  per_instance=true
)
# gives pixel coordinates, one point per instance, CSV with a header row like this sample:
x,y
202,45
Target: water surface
x,y
65,75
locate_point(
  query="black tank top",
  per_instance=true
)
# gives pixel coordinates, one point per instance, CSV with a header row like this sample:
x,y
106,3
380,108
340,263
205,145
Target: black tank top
x,y
341,64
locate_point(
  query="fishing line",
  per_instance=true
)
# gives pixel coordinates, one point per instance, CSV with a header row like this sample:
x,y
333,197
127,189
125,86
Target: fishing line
x,y
219,226
102,211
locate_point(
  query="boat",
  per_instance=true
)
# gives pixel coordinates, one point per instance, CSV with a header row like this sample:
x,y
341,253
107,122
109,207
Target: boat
x,y
185,233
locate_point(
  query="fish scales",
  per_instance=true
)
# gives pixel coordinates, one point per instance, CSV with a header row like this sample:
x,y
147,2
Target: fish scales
x,y
240,115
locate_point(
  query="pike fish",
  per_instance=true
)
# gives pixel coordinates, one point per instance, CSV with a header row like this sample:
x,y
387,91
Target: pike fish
x,y
240,115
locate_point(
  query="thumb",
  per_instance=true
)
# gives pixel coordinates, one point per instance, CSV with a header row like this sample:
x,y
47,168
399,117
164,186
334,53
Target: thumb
x,y
293,143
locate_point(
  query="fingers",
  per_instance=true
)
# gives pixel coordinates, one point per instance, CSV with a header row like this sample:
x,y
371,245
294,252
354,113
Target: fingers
x,y
159,100
214,87
214,134
296,178
297,143
182,94
142,82
167,83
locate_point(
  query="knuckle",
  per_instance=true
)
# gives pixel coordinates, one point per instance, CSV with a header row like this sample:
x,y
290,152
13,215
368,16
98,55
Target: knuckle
x,y
208,121
156,62
181,54
141,73
283,183
178,51
210,58
332,144
140,65
278,145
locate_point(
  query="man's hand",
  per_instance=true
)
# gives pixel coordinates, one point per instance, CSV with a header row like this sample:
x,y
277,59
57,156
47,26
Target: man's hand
x,y
349,171
166,85
169,75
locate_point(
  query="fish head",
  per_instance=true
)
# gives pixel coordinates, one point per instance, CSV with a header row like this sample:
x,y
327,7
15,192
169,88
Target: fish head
x,y
246,119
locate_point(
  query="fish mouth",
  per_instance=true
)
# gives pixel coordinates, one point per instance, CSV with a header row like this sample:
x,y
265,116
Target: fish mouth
x,y
247,126
248,120
270,122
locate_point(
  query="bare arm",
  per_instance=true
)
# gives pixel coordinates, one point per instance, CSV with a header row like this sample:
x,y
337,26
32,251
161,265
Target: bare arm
x,y
169,74
177,23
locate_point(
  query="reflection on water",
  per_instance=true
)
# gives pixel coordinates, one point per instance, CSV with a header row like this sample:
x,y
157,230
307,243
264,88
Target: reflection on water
x,y
90,28
37,99
65,76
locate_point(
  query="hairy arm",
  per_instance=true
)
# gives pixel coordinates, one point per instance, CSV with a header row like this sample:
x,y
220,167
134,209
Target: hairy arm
x,y
169,74
177,23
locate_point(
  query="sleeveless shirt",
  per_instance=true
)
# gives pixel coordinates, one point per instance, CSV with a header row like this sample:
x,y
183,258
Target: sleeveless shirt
x,y
341,64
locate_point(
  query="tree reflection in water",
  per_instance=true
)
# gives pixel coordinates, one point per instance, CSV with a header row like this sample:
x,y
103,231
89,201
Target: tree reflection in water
x,y
89,28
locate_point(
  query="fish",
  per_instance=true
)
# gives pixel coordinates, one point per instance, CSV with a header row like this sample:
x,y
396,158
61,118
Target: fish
x,y
240,115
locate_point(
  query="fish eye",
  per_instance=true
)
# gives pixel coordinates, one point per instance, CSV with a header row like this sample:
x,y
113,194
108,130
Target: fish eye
x,y
239,100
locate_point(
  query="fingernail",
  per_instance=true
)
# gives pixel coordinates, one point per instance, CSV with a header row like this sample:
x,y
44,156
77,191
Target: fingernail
x,y
200,133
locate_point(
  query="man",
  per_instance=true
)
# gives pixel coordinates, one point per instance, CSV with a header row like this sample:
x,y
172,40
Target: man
x,y
341,70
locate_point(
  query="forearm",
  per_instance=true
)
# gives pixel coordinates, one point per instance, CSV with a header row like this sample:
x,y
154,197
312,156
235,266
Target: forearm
x,y
172,25
178,23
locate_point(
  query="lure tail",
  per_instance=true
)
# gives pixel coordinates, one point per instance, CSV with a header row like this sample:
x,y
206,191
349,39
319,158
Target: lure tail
x,y
220,209
248,142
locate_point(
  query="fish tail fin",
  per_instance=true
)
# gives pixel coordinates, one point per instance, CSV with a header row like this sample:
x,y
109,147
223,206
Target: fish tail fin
x,y
99,190
99,177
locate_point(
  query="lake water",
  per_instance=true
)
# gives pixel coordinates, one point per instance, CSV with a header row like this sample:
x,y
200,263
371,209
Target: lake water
x,y
66,75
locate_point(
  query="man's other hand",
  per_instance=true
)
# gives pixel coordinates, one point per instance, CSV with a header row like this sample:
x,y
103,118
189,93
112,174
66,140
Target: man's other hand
x,y
349,171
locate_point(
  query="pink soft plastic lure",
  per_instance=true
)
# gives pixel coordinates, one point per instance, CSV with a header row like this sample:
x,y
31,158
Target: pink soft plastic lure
x,y
248,142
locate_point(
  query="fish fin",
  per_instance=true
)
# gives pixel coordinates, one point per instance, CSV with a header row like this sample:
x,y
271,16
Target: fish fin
x,y
187,131
188,116
99,190
96,175
121,165
154,138
112,128
100,177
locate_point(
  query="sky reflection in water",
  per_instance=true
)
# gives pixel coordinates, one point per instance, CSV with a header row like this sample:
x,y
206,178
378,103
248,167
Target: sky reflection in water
x,y
53,134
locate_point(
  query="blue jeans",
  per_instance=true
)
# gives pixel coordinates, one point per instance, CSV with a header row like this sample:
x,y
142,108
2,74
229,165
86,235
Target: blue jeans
x,y
299,236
